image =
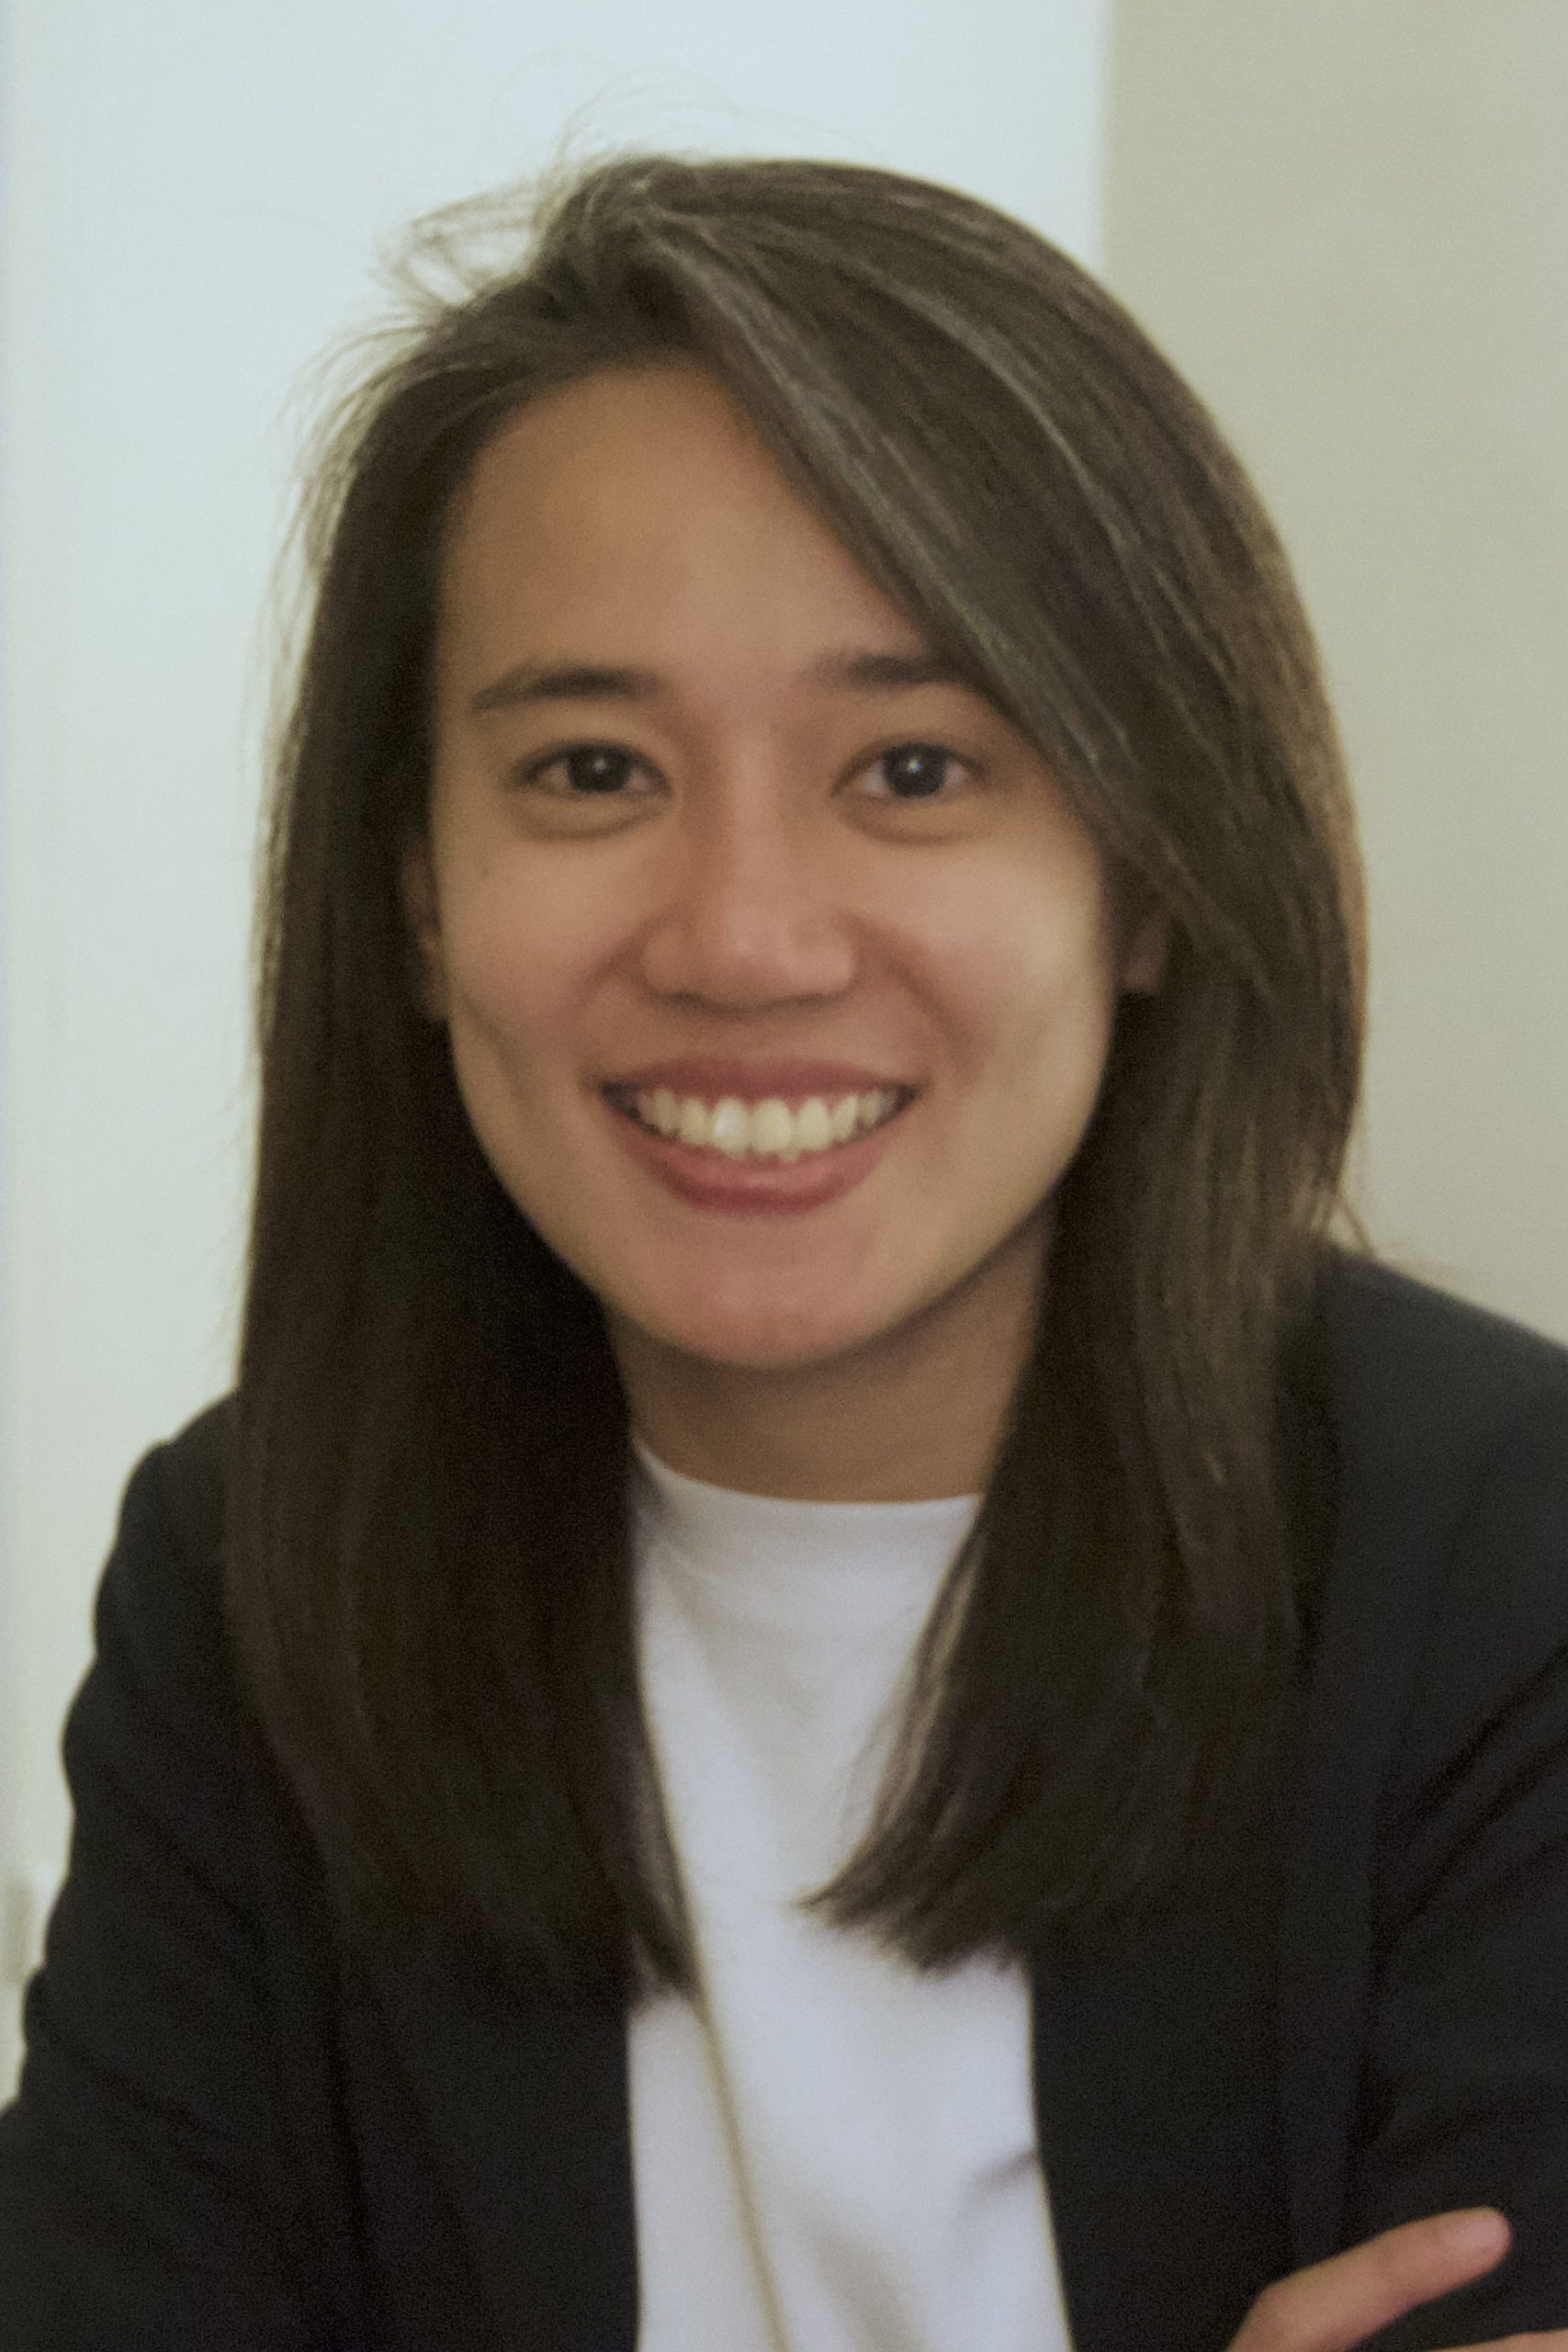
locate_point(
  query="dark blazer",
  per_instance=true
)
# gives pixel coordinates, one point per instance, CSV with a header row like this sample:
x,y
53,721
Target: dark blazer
x,y
234,2136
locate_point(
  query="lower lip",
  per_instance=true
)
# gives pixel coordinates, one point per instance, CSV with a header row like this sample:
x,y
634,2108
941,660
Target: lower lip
x,y
753,1187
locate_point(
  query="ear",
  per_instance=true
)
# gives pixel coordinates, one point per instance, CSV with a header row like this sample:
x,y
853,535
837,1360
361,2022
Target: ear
x,y
1148,951
420,909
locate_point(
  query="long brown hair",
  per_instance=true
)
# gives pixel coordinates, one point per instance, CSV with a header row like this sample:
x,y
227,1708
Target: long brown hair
x,y
428,1563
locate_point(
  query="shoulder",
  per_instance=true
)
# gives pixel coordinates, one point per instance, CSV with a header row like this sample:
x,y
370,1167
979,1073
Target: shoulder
x,y
171,1774
160,1631
1414,1367
187,1478
180,1485
1451,1575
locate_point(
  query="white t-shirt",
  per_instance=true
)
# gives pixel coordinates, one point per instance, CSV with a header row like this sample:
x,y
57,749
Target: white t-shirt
x,y
831,2151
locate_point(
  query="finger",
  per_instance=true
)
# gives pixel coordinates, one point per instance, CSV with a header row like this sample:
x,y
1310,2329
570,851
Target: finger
x,y
1554,2340
1333,2305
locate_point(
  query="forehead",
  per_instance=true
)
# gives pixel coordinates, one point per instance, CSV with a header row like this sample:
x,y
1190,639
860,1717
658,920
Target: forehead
x,y
634,513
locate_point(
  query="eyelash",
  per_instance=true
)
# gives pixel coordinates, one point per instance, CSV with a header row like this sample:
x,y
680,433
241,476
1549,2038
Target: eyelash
x,y
536,769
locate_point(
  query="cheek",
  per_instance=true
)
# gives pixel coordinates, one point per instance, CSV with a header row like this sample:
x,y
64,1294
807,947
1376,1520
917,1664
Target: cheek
x,y
508,1027
516,956
507,1019
1033,987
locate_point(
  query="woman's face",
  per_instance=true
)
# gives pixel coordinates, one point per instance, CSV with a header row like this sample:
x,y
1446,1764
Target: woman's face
x,y
710,828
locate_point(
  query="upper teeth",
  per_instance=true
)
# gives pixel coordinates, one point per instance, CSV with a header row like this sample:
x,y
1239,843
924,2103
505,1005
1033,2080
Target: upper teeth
x,y
768,1130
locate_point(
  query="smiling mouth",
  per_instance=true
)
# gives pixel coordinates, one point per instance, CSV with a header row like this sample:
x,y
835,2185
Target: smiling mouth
x,y
767,1130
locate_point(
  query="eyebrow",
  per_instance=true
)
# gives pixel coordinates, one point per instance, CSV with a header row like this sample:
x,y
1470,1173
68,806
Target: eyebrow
x,y
527,683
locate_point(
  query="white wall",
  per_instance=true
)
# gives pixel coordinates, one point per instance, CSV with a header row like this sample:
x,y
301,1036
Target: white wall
x,y
1348,221
192,194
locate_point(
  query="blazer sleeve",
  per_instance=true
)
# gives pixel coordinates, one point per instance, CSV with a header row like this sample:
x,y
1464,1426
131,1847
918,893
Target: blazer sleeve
x,y
144,2186
1465,2096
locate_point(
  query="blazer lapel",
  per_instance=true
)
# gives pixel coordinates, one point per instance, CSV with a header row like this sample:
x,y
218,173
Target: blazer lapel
x,y
1156,2072
526,2104
1156,2060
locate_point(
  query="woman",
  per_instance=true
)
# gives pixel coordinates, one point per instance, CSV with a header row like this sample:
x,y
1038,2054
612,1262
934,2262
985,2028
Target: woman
x,y
833,1680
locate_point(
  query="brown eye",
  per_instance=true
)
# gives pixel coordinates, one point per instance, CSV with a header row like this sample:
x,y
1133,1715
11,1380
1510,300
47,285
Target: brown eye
x,y
916,771
591,771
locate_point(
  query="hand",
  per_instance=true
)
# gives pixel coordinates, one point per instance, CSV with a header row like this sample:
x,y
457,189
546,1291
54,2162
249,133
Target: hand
x,y
1336,2304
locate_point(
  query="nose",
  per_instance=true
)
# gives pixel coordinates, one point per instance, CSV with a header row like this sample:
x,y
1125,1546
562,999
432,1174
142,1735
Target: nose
x,y
749,910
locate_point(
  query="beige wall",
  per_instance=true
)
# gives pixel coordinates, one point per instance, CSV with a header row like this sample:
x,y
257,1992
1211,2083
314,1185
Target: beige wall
x,y
1348,221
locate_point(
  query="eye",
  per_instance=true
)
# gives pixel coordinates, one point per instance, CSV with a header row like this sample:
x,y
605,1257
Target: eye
x,y
584,772
587,772
914,772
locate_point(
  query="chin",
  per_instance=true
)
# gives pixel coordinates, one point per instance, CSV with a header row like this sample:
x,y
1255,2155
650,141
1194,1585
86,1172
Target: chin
x,y
766,1339
781,1351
